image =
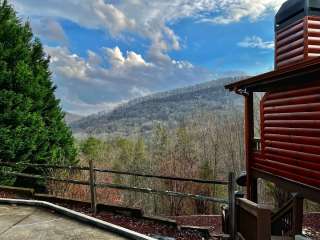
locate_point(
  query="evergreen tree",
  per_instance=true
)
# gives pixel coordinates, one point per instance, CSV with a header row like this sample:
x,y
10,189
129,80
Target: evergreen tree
x,y
32,127
92,148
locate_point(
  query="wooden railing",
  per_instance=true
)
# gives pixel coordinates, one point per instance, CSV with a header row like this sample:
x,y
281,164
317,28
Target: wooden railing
x,y
253,221
93,184
287,221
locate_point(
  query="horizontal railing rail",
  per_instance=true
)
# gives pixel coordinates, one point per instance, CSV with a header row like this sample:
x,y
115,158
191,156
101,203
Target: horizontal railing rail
x,y
203,181
92,184
159,192
121,187
145,175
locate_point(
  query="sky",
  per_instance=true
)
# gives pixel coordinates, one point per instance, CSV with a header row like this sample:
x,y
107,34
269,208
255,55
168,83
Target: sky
x,y
106,52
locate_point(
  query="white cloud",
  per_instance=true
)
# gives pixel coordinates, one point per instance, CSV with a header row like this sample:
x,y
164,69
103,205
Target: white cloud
x,y
230,11
182,64
67,64
95,14
112,76
256,42
153,18
139,92
117,59
91,84
93,58
111,17
149,19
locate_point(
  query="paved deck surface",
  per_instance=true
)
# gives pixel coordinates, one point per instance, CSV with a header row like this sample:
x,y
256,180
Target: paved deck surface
x,y
32,223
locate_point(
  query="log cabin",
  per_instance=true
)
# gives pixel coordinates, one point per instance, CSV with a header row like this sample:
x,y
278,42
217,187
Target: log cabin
x,y
288,153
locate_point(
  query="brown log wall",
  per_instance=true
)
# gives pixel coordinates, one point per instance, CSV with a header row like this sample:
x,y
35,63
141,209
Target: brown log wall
x,y
298,42
290,135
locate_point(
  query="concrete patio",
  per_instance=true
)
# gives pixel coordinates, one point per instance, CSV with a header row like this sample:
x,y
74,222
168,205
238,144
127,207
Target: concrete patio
x,y
34,223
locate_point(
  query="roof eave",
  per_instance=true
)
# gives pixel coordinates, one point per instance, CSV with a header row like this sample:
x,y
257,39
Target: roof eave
x,y
275,77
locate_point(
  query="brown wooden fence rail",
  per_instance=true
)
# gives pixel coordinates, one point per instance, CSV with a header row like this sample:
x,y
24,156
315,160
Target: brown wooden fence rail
x,y
91,182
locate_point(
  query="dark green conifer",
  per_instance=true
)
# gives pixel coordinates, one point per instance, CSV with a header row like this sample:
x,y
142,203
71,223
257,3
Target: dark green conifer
x,y
32,127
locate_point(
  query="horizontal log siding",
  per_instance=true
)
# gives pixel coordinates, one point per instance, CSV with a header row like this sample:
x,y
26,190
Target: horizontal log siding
x,y
290,136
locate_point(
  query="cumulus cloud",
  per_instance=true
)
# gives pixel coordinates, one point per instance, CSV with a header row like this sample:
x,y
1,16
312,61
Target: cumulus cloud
x,y
230,11
153,18
117,59
256,42
100,82
67,64
149,19
96,14
113,75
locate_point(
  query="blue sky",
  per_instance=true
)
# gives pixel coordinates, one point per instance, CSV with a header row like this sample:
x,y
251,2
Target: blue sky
x,y
105,52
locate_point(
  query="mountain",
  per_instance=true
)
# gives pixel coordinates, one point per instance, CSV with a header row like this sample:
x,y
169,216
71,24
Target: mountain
x,y
71,117
141,114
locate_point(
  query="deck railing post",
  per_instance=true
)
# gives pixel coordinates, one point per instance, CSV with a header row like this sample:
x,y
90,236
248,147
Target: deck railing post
x,y
297,215
92,180
232,205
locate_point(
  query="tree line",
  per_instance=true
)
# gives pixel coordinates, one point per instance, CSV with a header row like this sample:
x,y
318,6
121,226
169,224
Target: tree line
x,y
206,146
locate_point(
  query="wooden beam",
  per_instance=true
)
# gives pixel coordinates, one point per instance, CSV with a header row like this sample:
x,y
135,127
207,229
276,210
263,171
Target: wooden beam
x,y
254,189
306,191
298,215
249,136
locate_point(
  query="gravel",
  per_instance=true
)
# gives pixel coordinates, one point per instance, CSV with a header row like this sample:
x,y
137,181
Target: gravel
x,y
312,225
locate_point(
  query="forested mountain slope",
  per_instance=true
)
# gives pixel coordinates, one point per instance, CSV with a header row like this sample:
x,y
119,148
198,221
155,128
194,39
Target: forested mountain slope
x,y
171,107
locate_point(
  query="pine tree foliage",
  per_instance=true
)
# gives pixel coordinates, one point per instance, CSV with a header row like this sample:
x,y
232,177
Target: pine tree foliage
x,y
32,128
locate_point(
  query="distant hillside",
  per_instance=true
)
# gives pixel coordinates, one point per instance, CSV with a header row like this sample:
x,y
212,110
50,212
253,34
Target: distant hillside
x,y
141,114
70,117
